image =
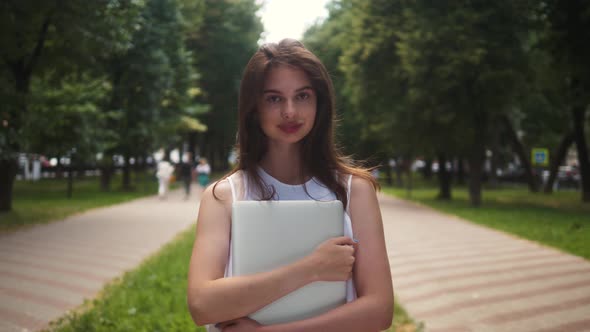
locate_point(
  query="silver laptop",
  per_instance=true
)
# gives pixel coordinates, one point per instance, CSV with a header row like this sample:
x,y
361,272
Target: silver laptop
x,y
270,234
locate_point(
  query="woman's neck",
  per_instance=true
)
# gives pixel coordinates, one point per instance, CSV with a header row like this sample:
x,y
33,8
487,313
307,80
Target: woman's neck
x,y
284,163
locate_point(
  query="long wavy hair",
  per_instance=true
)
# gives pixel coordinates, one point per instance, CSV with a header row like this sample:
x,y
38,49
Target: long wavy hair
x,y
320,156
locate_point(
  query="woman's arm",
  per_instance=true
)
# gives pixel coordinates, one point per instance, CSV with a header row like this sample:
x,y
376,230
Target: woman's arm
x,y
373,310
213,298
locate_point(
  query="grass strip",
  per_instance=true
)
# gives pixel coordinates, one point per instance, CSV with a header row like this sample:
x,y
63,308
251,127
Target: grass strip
x,y
45,200
558,220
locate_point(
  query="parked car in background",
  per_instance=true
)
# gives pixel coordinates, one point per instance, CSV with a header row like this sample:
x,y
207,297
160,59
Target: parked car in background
x,y
568,177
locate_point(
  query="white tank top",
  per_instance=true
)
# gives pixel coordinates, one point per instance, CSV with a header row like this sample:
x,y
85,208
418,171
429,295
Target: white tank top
x,y
313,190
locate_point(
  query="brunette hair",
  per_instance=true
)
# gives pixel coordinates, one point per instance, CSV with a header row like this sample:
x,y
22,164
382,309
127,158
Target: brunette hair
x,y
320,156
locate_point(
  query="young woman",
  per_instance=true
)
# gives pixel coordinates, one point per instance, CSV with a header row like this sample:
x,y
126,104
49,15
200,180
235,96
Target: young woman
x,y
286,151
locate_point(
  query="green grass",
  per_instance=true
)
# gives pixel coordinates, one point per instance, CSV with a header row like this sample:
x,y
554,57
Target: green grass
x,y
558,220
402,322
45,200
153,298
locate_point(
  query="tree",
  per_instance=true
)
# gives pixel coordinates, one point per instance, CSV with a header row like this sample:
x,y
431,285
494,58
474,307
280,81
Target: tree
x,y
465,64
37,36
64,118
566,39
327,40
155,76
226,41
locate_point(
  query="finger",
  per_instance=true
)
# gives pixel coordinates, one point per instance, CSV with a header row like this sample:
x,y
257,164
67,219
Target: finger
x,y
225,324
343,240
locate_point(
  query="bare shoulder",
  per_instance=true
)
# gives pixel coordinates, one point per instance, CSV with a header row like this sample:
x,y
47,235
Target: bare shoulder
x,y
363,198
361,187
218,194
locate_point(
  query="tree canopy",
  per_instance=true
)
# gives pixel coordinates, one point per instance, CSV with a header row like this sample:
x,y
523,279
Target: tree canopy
x,y
454,79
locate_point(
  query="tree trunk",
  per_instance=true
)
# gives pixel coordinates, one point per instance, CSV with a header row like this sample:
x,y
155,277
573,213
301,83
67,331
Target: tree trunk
x,y
399,168
558,157
70,179
137,168
475,175
493,161
8,169
167,152
126,173
59,168
388,176
493,178
106,173
460,174
579,113
444,178
22,71
409,180
427,170
519,149
192,140
477,157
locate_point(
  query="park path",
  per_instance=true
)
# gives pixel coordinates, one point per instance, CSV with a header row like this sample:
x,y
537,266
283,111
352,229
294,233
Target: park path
x,y
448,273
455,276
49,269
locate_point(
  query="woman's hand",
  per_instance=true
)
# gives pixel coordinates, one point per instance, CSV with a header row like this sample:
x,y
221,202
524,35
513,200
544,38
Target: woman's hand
x,y
333,259
243,324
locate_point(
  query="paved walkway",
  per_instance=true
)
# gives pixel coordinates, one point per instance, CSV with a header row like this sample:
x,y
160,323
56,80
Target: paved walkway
x,y
49,269
456,276
448,273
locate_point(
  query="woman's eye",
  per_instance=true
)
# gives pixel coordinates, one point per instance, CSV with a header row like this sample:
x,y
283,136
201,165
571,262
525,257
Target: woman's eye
x,y
303,96
273,99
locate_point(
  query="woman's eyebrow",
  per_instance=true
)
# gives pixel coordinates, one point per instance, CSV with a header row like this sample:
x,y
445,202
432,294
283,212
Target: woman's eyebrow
x,y
279,92
304,88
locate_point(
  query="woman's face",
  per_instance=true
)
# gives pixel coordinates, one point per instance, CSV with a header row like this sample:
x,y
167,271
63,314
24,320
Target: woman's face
x,y
287,107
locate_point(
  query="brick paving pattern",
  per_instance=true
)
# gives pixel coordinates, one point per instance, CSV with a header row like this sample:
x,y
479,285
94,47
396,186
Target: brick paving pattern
x,y
456,276
50,269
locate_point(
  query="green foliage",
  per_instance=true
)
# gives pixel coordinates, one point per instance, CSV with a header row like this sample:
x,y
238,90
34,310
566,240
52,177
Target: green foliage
x,y
566,40
559,220
417,75
150,298
38,37
465,65
325,39
151,80
423,78
227,40
65,115
51,38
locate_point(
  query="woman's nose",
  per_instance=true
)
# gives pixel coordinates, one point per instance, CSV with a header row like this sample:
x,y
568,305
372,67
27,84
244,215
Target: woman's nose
x,y
289,110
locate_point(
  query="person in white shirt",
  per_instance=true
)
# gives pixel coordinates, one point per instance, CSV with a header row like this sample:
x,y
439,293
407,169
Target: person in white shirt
x,y
164,173
286,148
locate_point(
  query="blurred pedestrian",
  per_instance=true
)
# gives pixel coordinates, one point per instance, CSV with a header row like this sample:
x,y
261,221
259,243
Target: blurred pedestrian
x,y
203,170
164,174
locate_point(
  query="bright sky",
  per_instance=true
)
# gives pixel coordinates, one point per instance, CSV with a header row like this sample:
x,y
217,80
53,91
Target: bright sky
x,y
289,18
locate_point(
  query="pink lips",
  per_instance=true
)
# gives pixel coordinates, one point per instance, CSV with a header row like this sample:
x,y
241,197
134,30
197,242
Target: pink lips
x,y
290,128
